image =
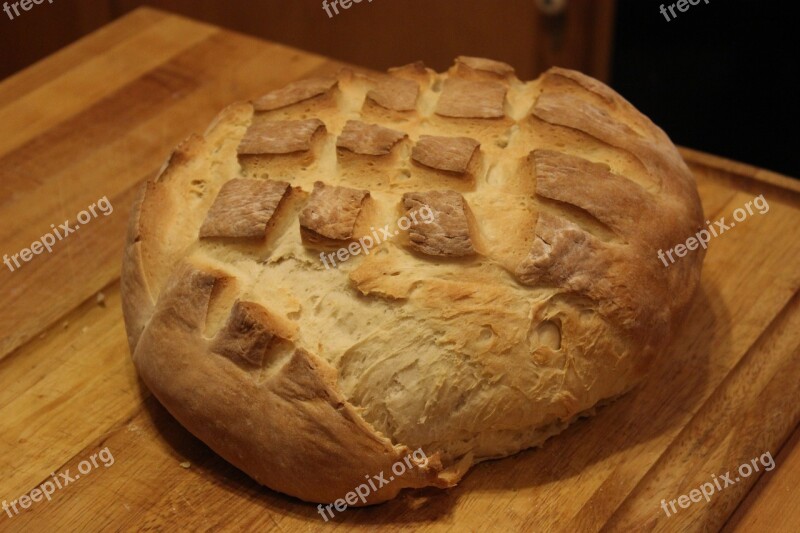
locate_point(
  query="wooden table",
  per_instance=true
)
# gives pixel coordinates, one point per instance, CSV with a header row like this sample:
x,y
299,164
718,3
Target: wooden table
x,y
99,117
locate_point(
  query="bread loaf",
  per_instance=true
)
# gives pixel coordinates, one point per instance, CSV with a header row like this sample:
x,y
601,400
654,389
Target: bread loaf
x,y
354,267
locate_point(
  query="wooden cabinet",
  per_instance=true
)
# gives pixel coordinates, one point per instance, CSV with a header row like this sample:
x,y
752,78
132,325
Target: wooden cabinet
x,y
529,34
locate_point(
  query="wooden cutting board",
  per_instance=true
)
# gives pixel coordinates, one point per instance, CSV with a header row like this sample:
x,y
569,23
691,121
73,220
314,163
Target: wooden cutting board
x,y
97,118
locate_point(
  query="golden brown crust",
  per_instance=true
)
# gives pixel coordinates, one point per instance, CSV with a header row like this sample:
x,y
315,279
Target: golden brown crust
x,y
534,291
448,234
368,139
614,200
395,93
280,137
294,93
452,154
472,99
244,208
331,212
490,66
251,334
563,255
292,390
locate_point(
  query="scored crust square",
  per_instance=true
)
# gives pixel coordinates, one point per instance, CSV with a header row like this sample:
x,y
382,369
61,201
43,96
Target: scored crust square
x,y
472,99
368,139
294,93
449,234
244,208
331,213
452,154
396,94
280,137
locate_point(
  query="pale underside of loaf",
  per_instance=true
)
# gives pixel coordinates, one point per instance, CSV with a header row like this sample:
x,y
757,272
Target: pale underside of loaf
x,y
535,294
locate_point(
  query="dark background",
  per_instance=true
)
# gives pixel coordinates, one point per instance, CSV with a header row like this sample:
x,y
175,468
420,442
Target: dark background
x,y
721,78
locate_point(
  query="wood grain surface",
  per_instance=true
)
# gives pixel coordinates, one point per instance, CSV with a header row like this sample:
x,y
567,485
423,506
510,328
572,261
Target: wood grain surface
x,y
99,117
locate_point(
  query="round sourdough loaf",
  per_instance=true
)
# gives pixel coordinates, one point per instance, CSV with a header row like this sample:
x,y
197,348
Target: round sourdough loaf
x,y
354,267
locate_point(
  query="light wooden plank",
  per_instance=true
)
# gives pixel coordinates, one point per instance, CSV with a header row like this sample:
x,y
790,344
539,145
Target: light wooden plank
x,y
39,109
752,412
78,53
84,385
765,508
